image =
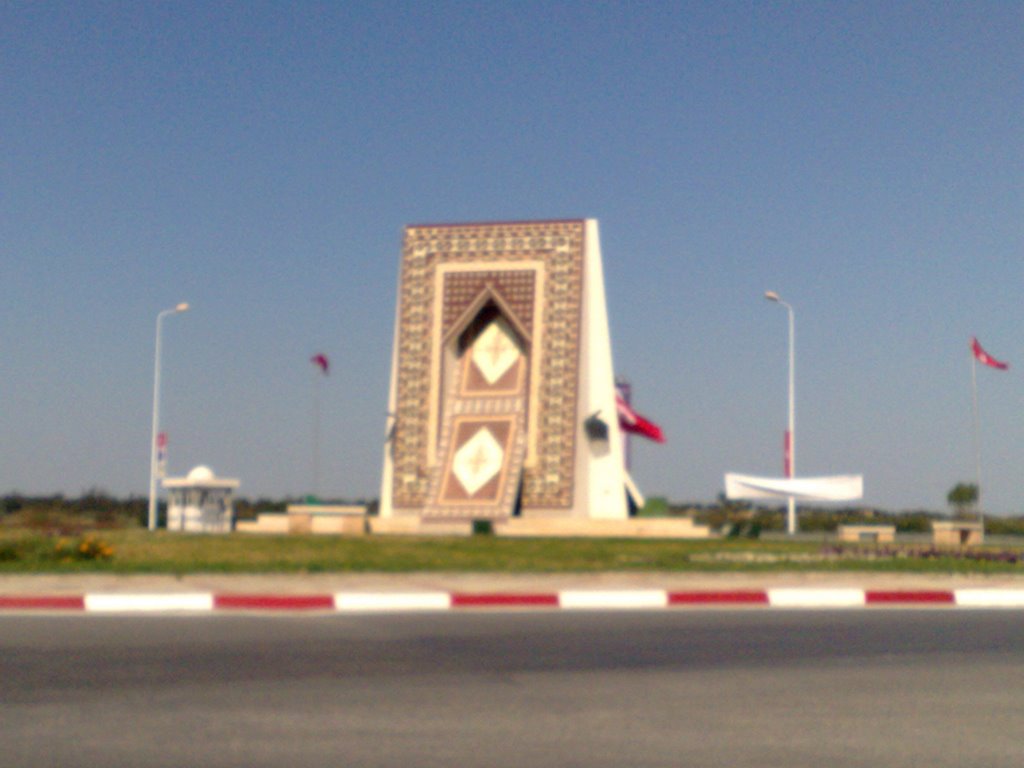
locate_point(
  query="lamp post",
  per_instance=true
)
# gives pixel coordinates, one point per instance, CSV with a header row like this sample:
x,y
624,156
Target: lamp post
x,y
182,307
789,445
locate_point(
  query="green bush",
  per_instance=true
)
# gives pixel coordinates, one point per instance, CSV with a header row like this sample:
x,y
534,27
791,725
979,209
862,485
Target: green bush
x,y
8,551
656,506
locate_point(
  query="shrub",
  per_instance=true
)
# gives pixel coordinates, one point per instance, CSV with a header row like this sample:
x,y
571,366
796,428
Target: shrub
x,y
8,551
656,506
86,548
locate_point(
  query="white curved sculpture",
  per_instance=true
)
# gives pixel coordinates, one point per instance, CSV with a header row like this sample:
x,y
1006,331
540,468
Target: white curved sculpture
x,y
833,488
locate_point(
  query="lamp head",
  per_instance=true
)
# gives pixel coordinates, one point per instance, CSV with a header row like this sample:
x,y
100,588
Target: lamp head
x,y
772,296
183,307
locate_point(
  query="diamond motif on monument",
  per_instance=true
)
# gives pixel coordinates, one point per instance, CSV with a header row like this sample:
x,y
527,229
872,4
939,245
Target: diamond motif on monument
x,y
494,352
477,461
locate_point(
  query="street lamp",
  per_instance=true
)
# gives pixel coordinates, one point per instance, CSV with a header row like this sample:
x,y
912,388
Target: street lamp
x,y
789,445
182,307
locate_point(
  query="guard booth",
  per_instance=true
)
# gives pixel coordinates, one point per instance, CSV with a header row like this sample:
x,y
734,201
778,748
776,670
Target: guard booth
x,y
201,502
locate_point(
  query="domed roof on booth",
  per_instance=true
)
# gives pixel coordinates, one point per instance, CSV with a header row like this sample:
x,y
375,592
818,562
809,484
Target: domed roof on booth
x,y
200,477
201,473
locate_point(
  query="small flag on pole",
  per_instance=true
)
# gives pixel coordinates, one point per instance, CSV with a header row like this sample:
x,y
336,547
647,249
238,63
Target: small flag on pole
x,y
631,421
321,362
161,454
985,358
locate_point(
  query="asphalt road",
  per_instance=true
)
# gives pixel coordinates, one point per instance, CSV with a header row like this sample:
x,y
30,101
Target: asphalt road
x,y
671,688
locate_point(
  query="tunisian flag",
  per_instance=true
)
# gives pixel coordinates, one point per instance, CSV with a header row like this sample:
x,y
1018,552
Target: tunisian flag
x,y
631,421
321,362
985,358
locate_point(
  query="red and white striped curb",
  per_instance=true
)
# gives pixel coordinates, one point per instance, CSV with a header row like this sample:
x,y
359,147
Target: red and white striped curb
x,y
581,599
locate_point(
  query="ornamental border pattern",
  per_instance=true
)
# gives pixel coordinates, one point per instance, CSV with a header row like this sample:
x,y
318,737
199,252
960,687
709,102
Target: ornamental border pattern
x,y
548,483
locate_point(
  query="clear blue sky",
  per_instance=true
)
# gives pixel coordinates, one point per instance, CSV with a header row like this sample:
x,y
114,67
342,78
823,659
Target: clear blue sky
x,y
259,160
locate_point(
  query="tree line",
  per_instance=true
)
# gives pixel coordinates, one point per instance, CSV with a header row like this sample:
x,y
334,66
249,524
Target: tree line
x,y
105,509
725,513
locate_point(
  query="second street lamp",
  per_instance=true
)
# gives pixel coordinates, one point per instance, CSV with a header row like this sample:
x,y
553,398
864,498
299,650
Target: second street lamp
x,y
789,446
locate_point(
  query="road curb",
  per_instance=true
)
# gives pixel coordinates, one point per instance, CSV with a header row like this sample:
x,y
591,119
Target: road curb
x,y
574,599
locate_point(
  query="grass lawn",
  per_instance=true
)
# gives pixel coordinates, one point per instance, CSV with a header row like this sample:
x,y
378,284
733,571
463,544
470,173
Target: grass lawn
x,y
135,550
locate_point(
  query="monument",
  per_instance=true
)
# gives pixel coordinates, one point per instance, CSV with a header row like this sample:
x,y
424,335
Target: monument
x,y
502,400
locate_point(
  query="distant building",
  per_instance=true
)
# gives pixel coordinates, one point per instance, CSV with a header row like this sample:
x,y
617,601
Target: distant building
x,y
200,502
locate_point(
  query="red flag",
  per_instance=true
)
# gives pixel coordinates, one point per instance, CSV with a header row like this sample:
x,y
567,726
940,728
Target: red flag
x,y
631,421
985,358
321,362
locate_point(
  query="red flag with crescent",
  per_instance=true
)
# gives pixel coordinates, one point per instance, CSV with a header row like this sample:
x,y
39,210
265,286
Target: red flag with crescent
x,y
631,421
321,362
985,358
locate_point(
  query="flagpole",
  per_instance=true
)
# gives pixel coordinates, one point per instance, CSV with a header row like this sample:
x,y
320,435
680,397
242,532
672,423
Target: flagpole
x,y
977,440
627,396
316,433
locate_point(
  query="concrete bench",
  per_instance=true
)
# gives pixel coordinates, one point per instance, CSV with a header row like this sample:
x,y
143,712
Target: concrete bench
x,y
326,518
877,534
